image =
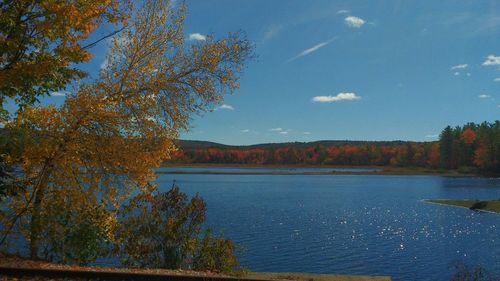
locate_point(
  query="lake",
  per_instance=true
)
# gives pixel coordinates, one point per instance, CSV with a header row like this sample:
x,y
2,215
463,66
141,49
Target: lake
x,y
350,224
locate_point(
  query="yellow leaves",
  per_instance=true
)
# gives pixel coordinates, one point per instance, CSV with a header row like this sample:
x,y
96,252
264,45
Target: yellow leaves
x,y
106,140
40,40
191,244
86,56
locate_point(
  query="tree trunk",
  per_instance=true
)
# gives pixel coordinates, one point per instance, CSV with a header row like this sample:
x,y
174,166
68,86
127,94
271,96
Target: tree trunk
x,y
35,225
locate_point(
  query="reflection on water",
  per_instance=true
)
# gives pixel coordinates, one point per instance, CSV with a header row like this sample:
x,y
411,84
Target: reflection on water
x,y
351,224
206,170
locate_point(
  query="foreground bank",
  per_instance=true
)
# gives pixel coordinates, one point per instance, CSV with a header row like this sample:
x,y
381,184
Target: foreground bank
x,y
24,269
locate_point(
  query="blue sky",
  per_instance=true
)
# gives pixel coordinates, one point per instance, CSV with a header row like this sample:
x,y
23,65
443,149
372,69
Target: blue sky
x,y
357,70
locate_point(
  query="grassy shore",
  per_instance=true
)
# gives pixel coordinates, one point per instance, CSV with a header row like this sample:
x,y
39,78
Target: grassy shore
x,y
479,205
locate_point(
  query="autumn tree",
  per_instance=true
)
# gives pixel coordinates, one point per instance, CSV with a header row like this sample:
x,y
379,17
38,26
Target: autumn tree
x,y
163,230
433,159
102,145
487,154
41,41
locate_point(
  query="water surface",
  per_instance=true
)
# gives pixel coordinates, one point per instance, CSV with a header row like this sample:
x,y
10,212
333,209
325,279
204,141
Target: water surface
x,y
350,224
230,170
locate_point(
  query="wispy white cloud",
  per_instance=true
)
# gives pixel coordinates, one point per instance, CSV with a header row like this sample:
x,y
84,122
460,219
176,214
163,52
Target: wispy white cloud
x,y
225,106
340,12
456,73
433,136
492,60
483,96
497,79
459,66
338,97
245,131
353,21
312,49
58,94
197,37
280,131
272,31
306,133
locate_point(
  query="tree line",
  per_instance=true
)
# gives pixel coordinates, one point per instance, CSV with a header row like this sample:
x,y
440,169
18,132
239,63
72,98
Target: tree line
x,y
472,145
475,146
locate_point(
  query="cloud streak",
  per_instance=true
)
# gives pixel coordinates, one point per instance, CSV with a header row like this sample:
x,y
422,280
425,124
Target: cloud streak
x,y
460,66
312,49
484,96
337,98
225,106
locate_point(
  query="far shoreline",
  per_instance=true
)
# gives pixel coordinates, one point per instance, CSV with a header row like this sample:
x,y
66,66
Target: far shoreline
x,y
383,170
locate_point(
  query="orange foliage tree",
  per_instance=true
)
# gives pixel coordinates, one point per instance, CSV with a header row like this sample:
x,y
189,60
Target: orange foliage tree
x,y
468,136
40,41
101,146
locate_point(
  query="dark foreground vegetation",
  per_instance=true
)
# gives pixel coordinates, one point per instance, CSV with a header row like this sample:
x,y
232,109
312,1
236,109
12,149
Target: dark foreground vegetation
x,y
472,148
465,272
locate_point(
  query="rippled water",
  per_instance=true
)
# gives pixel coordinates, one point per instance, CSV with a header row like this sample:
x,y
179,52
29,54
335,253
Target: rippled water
x,y
351,224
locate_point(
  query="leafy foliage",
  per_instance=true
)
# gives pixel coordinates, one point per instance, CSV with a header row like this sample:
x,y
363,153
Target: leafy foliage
x,y
41,40
163,231
215,254
102,145
76,234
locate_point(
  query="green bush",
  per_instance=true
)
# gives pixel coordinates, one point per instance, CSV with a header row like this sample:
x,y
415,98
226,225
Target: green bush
x,y
464,272
164,230
479,205
215,254
75,236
